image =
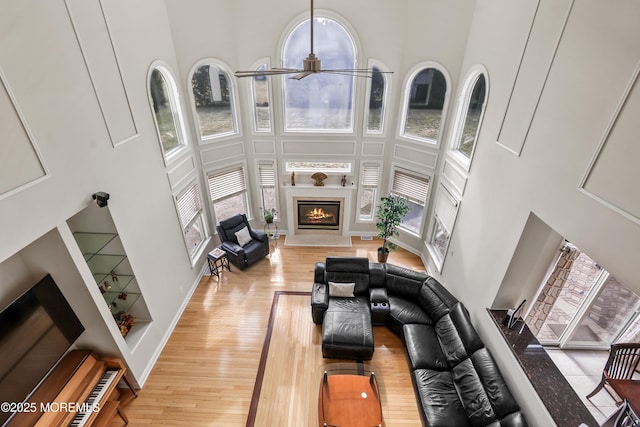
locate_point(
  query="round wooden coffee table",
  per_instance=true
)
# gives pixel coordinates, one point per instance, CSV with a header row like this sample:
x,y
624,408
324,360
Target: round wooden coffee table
x,y
349,397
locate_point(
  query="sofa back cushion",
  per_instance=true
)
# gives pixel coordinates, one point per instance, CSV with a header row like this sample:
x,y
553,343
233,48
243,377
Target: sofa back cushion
x,y
458,338
348,270
403,282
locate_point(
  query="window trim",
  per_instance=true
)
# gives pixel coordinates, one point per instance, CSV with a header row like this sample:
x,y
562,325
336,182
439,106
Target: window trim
x,y
237,125
251,90
418,174
406,94
246,191
362,187
385,98
175,153
442,191
462,108
349,29
260,185
197,252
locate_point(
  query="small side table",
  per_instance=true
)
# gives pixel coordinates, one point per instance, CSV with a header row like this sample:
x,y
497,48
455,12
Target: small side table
x,y
218,261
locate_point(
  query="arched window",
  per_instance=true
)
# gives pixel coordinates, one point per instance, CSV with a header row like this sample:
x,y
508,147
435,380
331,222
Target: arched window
x,y
261,102
425,98
376,102
168,117
321,101
470,115
213,101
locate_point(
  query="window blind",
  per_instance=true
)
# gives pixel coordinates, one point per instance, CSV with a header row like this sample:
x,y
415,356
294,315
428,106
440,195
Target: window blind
x,y
267,175
226,183
412,187
446,208
370,174
189,205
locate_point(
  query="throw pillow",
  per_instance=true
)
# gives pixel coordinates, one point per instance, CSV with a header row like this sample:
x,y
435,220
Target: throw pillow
x,y
243,236
344,290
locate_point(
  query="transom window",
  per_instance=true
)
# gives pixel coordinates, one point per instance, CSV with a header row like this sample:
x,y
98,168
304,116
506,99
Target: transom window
x,y
321,101
213,101
166,109
425,98
337,167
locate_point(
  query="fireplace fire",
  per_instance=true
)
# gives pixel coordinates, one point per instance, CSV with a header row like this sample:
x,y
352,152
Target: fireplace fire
x,y
320,215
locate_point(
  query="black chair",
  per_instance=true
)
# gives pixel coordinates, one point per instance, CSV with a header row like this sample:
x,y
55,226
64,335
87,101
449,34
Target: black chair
x,y
621,365
242,256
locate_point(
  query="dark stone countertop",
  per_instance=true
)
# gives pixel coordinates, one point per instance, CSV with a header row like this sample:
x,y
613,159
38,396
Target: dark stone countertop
x,y
556,393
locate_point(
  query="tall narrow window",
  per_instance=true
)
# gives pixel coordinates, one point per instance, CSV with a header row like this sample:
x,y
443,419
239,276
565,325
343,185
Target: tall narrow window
x,y
425,99
261,102
415,189
190,213
213,99
444,217
369,177
321,101
471,115
267,177
375,111
228,192
166,109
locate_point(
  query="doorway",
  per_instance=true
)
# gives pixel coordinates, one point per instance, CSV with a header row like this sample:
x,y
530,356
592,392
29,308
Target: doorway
x,y
581,305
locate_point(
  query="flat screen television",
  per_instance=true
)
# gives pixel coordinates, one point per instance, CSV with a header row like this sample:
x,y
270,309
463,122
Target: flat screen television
x,y
36,330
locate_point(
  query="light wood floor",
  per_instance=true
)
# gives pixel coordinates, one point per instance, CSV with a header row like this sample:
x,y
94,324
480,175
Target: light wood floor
x,y
206,374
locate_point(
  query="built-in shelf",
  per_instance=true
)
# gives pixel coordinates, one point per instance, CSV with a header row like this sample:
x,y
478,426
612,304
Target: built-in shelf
x,y
114,277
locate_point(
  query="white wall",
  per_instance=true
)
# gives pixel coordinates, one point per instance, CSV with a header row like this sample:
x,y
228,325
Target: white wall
x,y
44,68
595,63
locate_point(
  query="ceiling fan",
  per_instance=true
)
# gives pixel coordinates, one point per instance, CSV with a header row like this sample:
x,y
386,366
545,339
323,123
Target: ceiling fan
x,y
311,65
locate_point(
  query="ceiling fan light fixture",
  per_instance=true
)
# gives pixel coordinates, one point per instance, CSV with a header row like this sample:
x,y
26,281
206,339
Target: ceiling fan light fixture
x,y
311,65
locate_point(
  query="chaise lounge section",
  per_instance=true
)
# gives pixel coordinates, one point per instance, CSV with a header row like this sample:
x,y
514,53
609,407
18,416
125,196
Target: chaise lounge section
x,y
456,380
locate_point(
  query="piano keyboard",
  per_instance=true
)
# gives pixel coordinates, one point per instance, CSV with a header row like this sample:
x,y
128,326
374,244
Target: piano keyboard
x,y
94,398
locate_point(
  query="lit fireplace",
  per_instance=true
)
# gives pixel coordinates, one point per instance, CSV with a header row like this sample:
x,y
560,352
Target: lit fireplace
x,y
319,215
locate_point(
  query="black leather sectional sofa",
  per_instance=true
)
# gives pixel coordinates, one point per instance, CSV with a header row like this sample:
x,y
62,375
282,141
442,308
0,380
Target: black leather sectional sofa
x,y
456,380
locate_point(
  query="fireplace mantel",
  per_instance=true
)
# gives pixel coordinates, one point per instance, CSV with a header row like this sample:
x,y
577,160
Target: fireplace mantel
x,y
345,194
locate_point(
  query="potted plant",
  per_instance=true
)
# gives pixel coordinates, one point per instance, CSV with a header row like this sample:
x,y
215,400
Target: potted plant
x,y
268,215
390,212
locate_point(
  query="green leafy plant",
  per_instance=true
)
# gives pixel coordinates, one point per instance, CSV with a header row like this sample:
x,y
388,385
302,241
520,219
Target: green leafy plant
x,y
390,212
268,215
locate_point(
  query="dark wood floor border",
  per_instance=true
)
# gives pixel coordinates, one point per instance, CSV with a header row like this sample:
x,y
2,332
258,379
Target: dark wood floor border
x,y
257,388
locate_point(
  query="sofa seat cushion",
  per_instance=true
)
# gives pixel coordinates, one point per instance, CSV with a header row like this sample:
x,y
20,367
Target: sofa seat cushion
x,y
406,311
438,399
347,335
357,304
423,348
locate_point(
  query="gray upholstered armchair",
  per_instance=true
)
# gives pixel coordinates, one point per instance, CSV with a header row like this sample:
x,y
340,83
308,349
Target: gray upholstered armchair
x,y
243,247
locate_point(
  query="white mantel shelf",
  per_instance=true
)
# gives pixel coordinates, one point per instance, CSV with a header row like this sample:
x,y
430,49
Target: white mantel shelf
x,y
319,187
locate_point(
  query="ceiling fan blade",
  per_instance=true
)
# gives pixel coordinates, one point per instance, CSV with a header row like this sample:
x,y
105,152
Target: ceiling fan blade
x,y
302,75
263,73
